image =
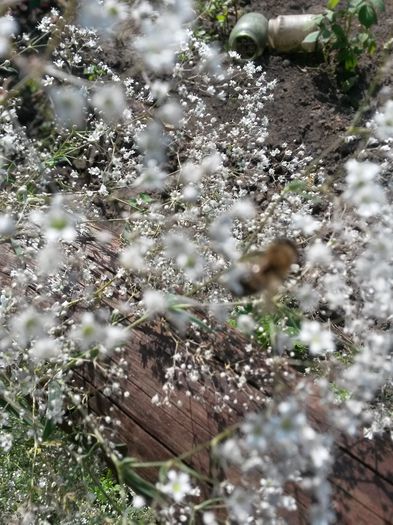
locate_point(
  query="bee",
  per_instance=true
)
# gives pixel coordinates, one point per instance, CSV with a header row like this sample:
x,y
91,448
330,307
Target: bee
x,y
263,271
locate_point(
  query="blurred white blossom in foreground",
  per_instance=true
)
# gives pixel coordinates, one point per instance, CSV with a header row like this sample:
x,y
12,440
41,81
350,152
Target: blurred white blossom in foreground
x,y
318,340
8,27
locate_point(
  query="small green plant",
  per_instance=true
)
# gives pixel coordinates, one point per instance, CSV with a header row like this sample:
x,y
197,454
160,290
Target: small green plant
x,y
345,34
219,14
86,491
277,329
342,394
94,72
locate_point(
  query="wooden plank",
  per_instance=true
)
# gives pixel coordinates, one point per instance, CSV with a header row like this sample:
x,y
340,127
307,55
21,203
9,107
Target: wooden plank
x,y
365,487
376,453
362,474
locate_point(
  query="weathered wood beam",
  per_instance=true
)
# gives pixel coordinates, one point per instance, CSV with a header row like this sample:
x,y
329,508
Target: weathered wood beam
x,y
362,476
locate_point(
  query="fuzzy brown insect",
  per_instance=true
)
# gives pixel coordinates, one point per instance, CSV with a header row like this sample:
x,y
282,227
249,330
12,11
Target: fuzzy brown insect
x,y
266,270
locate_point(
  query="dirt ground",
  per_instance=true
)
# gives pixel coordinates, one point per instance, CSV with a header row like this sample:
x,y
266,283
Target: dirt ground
x,y
307,107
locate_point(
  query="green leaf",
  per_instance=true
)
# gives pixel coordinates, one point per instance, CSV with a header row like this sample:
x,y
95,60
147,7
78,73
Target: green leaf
x,y
340,33
330,15
311,38
363,38
16,247
355,4
200,323
55,392
379,5
145,198
350,62
135,481
372,47
326,35
332,4
348,83
367,15
318,19
49,427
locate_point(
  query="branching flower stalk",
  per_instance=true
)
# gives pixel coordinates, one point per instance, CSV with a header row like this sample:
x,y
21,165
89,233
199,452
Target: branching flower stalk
x,y
130,166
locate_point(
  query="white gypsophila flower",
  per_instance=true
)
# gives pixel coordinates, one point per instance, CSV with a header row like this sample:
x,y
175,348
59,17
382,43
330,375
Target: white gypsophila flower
x,y
381,423
114,336
102,16
318,339
185,253
243,209
234,278
103,191
5,442
30,324
70,106
383,122
58,225
245,323
281,342
152,141
190,193
191,173
318,254
360,174
335,290
7,144
307,297
183,8
372,368
254,430
211,163
49,259
230,452
219,311
138,502
160,41
133,256
152,177
362,190
155,302
159,90
221,232
7,225
178,485
210,59
28,518
8,27
109,102
46,24
88,333
240,505
171,114
45,349
305,223
163,37
209,518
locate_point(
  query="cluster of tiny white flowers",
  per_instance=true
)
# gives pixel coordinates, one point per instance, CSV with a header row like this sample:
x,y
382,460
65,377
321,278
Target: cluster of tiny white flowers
x,y
163,35
192,192
273,449
8,28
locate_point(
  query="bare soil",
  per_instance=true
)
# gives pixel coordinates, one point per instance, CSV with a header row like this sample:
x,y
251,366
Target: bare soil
x,y
308,108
